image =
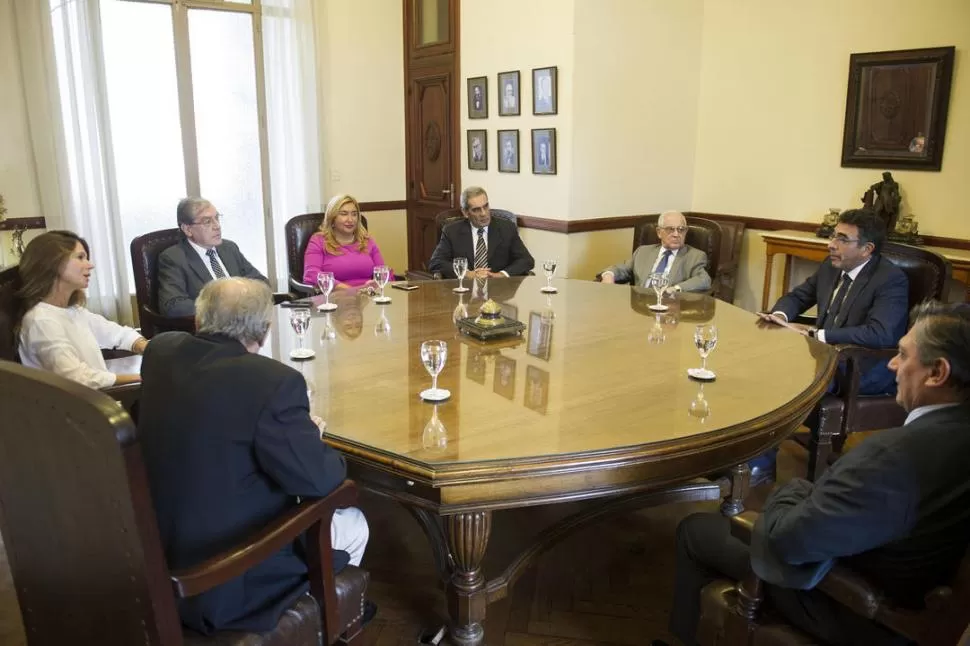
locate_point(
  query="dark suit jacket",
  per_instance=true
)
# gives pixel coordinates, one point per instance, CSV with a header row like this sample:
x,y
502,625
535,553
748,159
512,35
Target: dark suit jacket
x,y
182,275
506,251
895,509
228,444
874,314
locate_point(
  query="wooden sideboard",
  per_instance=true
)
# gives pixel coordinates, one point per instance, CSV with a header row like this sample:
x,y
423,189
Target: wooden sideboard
x,y
800,244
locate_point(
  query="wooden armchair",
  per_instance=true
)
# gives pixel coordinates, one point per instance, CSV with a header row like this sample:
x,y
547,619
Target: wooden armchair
x,y
81,536
298,231
145,250
442,220
731,611
847,411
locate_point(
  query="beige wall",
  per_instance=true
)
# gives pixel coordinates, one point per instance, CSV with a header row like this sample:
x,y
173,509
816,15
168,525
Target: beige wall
x,y
18,179
772,105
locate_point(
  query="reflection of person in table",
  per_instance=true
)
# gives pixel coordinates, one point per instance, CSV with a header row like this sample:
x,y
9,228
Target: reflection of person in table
x,y
349,315
477,152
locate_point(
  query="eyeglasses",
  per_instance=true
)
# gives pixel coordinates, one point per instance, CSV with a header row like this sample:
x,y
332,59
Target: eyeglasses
x,y
841,238
478,210
208,222
680,230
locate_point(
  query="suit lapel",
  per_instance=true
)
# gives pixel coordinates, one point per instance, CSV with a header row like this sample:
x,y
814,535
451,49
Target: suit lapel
x,y
826,288
677,273
645,263
466,240
195,262
229,260
858,285
494,241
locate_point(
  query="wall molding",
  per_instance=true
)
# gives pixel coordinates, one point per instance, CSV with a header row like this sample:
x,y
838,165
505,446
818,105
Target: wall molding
x,y
10,224
387,205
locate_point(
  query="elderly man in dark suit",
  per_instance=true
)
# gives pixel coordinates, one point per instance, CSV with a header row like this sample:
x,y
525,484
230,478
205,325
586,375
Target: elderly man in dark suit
x,y
201,256
896,508
229,444
491,245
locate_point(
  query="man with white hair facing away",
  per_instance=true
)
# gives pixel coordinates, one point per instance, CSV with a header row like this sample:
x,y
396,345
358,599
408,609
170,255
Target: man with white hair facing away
x,y
229,444
684,266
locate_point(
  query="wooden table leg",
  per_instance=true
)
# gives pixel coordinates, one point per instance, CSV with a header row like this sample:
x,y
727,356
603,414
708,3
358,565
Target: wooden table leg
x,y
468,535
766,292
786,275
740,479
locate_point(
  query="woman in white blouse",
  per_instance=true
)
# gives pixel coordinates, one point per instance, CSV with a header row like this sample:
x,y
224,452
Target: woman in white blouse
x,y
56,332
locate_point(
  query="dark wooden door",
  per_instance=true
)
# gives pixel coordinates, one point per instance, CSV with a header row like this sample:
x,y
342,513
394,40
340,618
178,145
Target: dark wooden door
x,y
432,120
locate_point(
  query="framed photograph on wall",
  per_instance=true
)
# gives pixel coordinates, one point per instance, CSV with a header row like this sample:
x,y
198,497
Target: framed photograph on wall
x,y
896,109
508,94
477,150
545,88
544,151
478,97
508,151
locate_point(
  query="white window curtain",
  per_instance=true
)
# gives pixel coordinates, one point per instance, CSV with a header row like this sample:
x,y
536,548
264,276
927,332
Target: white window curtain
x,y
62,37
289,59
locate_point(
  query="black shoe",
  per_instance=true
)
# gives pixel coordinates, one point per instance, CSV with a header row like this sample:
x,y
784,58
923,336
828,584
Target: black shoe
x,y
370,611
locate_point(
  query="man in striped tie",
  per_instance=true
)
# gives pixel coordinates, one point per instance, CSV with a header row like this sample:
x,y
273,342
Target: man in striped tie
x,y
201,256
491,245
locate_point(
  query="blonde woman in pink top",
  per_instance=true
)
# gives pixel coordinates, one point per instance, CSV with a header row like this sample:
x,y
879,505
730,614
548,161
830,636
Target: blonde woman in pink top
x,y
342,246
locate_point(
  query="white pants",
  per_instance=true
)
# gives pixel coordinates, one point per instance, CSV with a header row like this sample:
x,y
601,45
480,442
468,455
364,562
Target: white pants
x,y
349,532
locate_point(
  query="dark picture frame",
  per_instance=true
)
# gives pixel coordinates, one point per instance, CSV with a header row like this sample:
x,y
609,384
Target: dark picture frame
x,y
543,151
896,109
508,138
545,90
503,381
478,154
478,97
509,105
540,336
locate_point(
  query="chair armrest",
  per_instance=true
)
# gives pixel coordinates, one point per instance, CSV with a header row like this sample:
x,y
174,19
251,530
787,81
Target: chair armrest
x,y
413,275
742,525
281,297
852,591
115,353
167,323
301,288
283,531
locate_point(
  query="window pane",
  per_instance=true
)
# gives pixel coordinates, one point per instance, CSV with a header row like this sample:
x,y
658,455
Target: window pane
x,y
431,21
146,136
227,127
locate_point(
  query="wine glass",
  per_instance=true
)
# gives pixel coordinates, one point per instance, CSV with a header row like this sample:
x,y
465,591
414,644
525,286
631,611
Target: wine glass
x,y
699,406
549,267
658,281
460,265
657,334
300,322
383,327
705,339
382,274
325,282
433,356
435,436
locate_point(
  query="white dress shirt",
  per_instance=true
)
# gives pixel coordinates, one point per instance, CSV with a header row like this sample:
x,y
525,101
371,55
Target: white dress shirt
x,y
68,341
475,245
916,413
853,274
203,253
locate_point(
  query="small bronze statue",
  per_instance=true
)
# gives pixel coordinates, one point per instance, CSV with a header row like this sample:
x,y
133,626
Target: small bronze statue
x,y
828,224
884,198
906,231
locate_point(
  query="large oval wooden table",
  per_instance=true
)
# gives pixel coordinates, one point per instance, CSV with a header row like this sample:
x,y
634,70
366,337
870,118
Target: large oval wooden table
x,y
593,401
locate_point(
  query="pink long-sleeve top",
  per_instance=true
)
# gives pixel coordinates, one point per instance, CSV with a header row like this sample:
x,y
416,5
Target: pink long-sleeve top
x,y
351,267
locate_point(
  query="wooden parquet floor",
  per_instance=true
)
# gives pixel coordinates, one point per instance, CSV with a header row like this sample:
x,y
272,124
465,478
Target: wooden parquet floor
x,y
608,584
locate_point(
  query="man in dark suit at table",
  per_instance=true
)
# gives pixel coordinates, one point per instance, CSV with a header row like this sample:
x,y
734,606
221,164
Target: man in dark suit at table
x,y
684,266
492,246
201,256
895,509
229,444
862,299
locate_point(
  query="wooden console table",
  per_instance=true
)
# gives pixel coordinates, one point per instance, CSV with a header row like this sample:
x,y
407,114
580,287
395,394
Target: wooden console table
x,y
800,244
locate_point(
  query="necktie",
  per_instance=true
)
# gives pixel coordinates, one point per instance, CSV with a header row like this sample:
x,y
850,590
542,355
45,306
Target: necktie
x,y
662,265
214,263
481,251
832,314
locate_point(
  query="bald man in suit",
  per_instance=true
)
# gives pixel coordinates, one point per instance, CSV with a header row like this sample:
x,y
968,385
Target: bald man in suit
x,y
685,266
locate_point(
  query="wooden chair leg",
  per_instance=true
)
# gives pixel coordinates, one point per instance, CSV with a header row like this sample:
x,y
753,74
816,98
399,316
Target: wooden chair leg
x,y
740,624
819,451
352,635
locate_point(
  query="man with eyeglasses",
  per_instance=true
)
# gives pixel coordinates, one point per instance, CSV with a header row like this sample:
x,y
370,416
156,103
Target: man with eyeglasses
x,y
862,299
201,256
491,245
684,266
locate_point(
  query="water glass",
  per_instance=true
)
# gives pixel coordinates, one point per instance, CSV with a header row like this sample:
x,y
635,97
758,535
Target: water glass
x,y
659,282
325,281
549,267
300,322
705,339
382,274
433,357
460,265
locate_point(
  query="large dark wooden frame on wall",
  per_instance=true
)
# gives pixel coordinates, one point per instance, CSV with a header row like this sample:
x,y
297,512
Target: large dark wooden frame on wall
x,y
896,109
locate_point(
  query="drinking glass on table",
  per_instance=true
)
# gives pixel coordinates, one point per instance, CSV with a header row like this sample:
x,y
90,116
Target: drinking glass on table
x,y
325,282
433,356
382,274
300,322
705,339
460,265
549,267
658,282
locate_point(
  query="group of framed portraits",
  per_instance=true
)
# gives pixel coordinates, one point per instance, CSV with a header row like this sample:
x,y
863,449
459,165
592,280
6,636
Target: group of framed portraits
x,y
544,102
544,94
543,150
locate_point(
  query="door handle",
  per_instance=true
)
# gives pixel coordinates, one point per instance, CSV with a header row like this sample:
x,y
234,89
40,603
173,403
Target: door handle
x,y
450,192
